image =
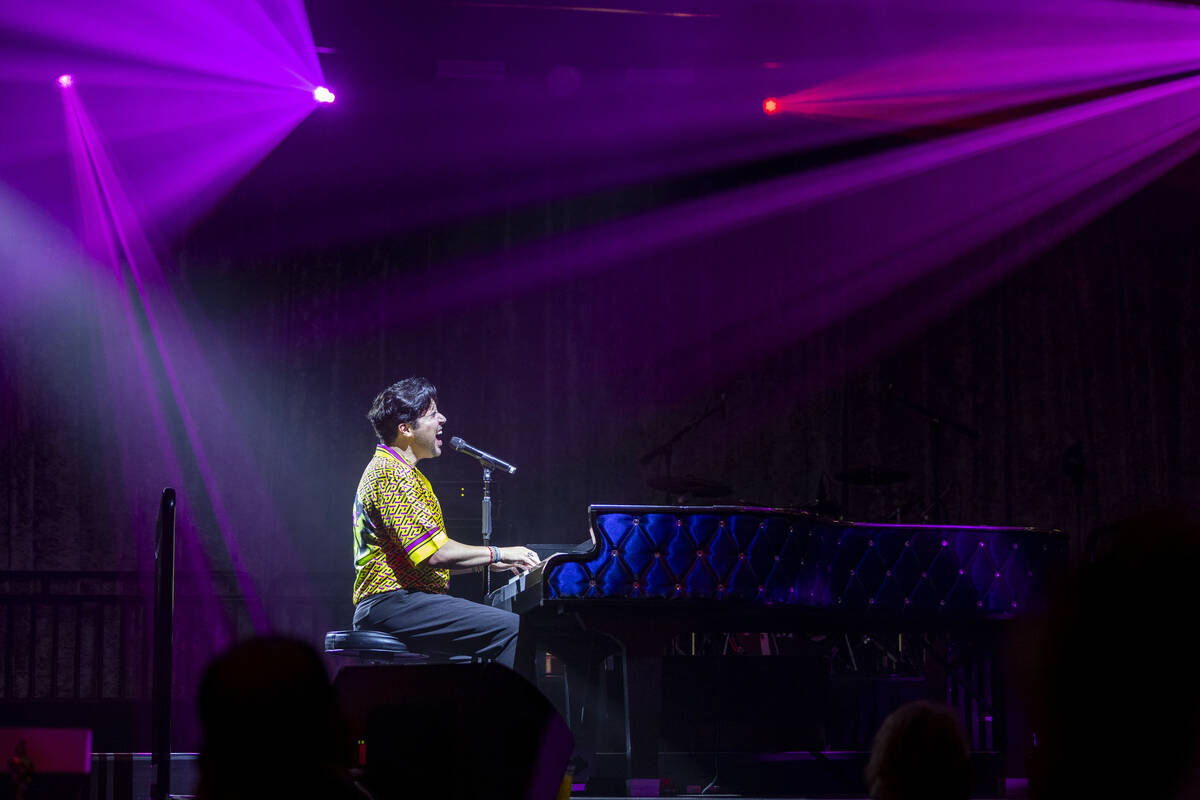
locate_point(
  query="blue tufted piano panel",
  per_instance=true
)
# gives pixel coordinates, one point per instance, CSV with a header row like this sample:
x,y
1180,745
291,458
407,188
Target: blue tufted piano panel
x,y
770,557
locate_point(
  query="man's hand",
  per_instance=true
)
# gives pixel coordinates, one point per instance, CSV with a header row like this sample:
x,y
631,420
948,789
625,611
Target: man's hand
x,y
454,555
516,558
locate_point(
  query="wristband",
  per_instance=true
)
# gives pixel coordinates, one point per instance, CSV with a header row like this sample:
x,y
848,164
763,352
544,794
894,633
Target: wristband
x,y
493,554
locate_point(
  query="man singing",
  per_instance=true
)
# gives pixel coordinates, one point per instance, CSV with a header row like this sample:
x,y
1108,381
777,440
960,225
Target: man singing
x,y
402,555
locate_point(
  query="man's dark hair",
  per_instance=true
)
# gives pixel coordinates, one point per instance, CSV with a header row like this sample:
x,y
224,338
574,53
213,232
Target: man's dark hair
x,y
403,401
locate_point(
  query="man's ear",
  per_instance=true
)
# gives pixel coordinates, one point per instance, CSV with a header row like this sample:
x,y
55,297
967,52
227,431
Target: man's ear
x,y
402,429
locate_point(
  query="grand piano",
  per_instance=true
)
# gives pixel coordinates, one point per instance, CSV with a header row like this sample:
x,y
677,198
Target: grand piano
x,y
652,578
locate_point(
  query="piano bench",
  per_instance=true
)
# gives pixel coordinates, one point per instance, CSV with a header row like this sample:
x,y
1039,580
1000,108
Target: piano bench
x,y
371,647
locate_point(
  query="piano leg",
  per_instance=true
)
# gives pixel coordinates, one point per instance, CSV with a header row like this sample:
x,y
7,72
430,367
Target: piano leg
x,y
584,696
643,708
583,651
595,718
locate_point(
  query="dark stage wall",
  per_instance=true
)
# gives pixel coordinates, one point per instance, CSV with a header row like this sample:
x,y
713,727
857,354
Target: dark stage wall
x,y
1095,343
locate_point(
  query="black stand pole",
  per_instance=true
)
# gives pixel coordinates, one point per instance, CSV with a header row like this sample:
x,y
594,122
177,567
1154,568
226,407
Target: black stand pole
x,y
1075,468
164,619
486,524
937,505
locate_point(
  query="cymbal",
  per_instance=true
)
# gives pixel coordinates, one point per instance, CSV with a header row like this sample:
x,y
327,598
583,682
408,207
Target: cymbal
x,y
688,485
872,475
823,507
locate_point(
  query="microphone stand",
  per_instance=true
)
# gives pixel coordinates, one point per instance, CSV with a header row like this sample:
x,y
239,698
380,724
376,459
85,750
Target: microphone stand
x,y
488,463
486,524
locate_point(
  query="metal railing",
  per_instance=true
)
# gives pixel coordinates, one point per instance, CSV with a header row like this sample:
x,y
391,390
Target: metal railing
x,y
74,636
86,636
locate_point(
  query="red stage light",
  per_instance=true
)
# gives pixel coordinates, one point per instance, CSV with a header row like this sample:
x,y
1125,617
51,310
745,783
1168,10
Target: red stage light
x,y
770,106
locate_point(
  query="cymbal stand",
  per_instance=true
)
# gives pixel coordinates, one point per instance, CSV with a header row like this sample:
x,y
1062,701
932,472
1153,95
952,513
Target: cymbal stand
x,y
938,422
666,447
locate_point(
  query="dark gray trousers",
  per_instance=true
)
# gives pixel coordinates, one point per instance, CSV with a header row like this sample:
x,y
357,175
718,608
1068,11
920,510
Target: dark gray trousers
x,y
441,625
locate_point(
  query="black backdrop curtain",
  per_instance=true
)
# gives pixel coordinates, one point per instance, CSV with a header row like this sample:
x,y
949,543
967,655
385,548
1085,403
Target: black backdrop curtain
x,y
1093,345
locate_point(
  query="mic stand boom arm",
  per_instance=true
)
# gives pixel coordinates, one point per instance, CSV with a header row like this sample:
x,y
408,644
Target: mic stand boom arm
x,y
664,449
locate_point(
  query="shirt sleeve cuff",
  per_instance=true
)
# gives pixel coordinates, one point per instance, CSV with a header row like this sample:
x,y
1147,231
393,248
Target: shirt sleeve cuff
x,y
425,545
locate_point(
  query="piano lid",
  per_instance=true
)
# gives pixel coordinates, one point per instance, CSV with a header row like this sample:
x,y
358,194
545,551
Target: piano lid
x,y
775,557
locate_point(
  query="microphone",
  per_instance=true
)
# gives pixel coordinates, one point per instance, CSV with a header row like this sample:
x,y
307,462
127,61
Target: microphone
x,y
486,459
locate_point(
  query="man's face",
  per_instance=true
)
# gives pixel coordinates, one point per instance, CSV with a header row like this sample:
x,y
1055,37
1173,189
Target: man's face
x,y
425,432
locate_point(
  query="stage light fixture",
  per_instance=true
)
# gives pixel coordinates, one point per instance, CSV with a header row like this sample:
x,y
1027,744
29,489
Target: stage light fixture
x,y
770,106
66,81
323,95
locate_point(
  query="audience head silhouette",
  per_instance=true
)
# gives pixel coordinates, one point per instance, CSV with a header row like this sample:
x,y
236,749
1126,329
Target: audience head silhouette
x,y
271,725
920,753
1114,700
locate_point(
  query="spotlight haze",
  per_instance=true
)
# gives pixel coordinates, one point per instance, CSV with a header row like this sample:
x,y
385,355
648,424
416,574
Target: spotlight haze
x,y
323,95
66,81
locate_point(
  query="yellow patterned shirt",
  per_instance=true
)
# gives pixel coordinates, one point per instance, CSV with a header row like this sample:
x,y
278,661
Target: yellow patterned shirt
x,y
397,526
